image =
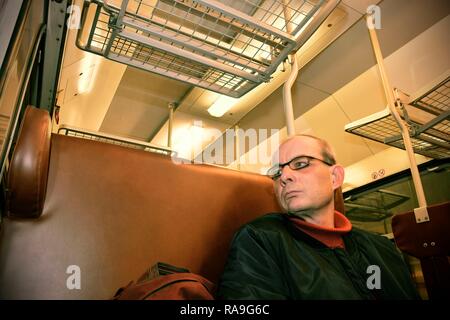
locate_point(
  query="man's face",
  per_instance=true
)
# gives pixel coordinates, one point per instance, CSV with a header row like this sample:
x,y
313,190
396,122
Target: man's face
x,y
307,189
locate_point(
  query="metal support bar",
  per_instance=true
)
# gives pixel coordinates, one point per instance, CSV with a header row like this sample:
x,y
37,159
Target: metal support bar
x,y
287,97
287,94
175,105
98,9
436,142
237,146
433,122
83,18
54,40
404,131
170,125
255,23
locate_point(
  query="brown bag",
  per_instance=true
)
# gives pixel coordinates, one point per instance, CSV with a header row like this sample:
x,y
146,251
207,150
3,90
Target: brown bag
x,y
155,285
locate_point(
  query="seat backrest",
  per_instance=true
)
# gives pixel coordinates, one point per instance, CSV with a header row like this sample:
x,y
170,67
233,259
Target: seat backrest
x,y
111,212
429,242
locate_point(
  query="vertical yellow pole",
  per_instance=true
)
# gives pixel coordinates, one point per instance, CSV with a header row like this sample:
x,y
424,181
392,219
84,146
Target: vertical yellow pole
x,y
169,130
287,86
404,130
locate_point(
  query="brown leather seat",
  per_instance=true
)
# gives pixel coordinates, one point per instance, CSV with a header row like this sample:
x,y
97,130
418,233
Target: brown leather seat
x,y
115,211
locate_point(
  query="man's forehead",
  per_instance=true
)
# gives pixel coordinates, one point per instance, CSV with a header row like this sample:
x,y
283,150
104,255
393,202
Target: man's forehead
x,y
296,146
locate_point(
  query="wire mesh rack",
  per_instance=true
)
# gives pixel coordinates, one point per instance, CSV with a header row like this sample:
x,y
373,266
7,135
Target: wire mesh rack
x,y
436,101
373,206
112,139
430,138
228,47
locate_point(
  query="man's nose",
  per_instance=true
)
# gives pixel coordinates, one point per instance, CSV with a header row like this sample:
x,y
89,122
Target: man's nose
x,y
287,174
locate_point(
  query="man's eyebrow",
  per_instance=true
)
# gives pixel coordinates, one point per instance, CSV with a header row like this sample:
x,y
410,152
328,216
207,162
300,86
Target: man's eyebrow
x,y
299,156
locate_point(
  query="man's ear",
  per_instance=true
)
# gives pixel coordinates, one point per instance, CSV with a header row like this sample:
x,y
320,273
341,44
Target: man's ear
x,y
338,175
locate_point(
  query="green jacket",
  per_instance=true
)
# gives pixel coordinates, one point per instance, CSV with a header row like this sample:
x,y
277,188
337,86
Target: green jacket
x,y
271,259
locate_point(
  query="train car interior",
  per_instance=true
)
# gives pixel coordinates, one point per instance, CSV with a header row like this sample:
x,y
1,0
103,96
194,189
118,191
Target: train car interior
x,y
137,132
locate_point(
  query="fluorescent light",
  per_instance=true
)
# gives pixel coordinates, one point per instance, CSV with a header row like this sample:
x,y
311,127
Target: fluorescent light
x,y
221,105
188,140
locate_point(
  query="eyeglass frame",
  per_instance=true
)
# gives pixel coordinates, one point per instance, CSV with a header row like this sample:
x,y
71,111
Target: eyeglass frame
x,y
288,163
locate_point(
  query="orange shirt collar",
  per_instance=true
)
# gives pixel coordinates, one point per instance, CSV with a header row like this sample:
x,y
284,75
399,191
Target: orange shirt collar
x,y
331,237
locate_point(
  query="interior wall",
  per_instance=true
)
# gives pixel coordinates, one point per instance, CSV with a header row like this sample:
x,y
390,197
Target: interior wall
x,y
88,107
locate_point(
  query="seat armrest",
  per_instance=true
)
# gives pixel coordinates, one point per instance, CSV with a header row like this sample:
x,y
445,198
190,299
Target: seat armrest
x,y
28,170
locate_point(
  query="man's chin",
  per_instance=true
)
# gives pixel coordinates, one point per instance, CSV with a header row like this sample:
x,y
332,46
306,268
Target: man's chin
x,y
295,206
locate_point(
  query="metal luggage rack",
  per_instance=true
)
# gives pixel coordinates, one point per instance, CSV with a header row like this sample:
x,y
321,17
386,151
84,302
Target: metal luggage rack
x,y
374,206
431,138
228,47
112,139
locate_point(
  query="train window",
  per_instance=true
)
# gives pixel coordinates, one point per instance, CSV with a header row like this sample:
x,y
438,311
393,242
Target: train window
x,y
20,70
372,206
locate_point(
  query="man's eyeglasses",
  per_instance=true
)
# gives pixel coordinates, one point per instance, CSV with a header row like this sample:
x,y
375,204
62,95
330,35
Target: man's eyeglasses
x,y
297,163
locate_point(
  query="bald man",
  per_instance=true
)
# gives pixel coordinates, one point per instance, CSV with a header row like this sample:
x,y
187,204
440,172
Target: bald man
x,y
311,251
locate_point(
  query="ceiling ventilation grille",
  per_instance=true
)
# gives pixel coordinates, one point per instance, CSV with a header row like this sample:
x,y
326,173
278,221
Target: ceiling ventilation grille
x,y
228,47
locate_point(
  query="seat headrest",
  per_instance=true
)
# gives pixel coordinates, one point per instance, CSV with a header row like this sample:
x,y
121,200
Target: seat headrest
x,y
28,170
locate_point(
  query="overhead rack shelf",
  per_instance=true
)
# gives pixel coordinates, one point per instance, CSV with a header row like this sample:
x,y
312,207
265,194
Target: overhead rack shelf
x,y
227,46
374,206
435,101
428,120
